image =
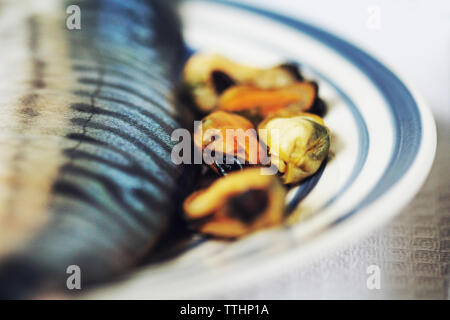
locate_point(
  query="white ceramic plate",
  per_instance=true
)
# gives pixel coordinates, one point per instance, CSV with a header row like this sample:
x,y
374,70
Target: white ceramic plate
x,y
383,141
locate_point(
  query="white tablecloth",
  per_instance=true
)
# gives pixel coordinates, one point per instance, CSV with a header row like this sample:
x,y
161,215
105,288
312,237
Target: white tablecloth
x,y
413,250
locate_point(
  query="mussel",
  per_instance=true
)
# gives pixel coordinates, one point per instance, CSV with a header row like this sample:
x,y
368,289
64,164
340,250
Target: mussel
x,y
298,143
228,142
237,204
210,75
294,143
256,103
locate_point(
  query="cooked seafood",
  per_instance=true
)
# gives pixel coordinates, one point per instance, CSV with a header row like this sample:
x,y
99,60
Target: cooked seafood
x,y
228,142
237,204
85,172
209,75
258,103
241,97
300,145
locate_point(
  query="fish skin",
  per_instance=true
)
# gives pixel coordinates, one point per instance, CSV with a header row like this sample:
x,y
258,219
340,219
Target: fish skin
x,y
86,176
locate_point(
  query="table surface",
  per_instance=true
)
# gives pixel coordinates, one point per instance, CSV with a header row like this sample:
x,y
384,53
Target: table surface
x,y
412,251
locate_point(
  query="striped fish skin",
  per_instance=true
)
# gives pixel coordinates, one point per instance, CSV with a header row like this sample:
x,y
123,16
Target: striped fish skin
x,y
85,172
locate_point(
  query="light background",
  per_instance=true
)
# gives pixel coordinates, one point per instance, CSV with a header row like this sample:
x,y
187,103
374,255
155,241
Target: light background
x,y
412,251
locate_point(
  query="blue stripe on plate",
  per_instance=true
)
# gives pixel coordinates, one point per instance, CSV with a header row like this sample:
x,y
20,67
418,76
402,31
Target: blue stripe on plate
x,y
402,106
